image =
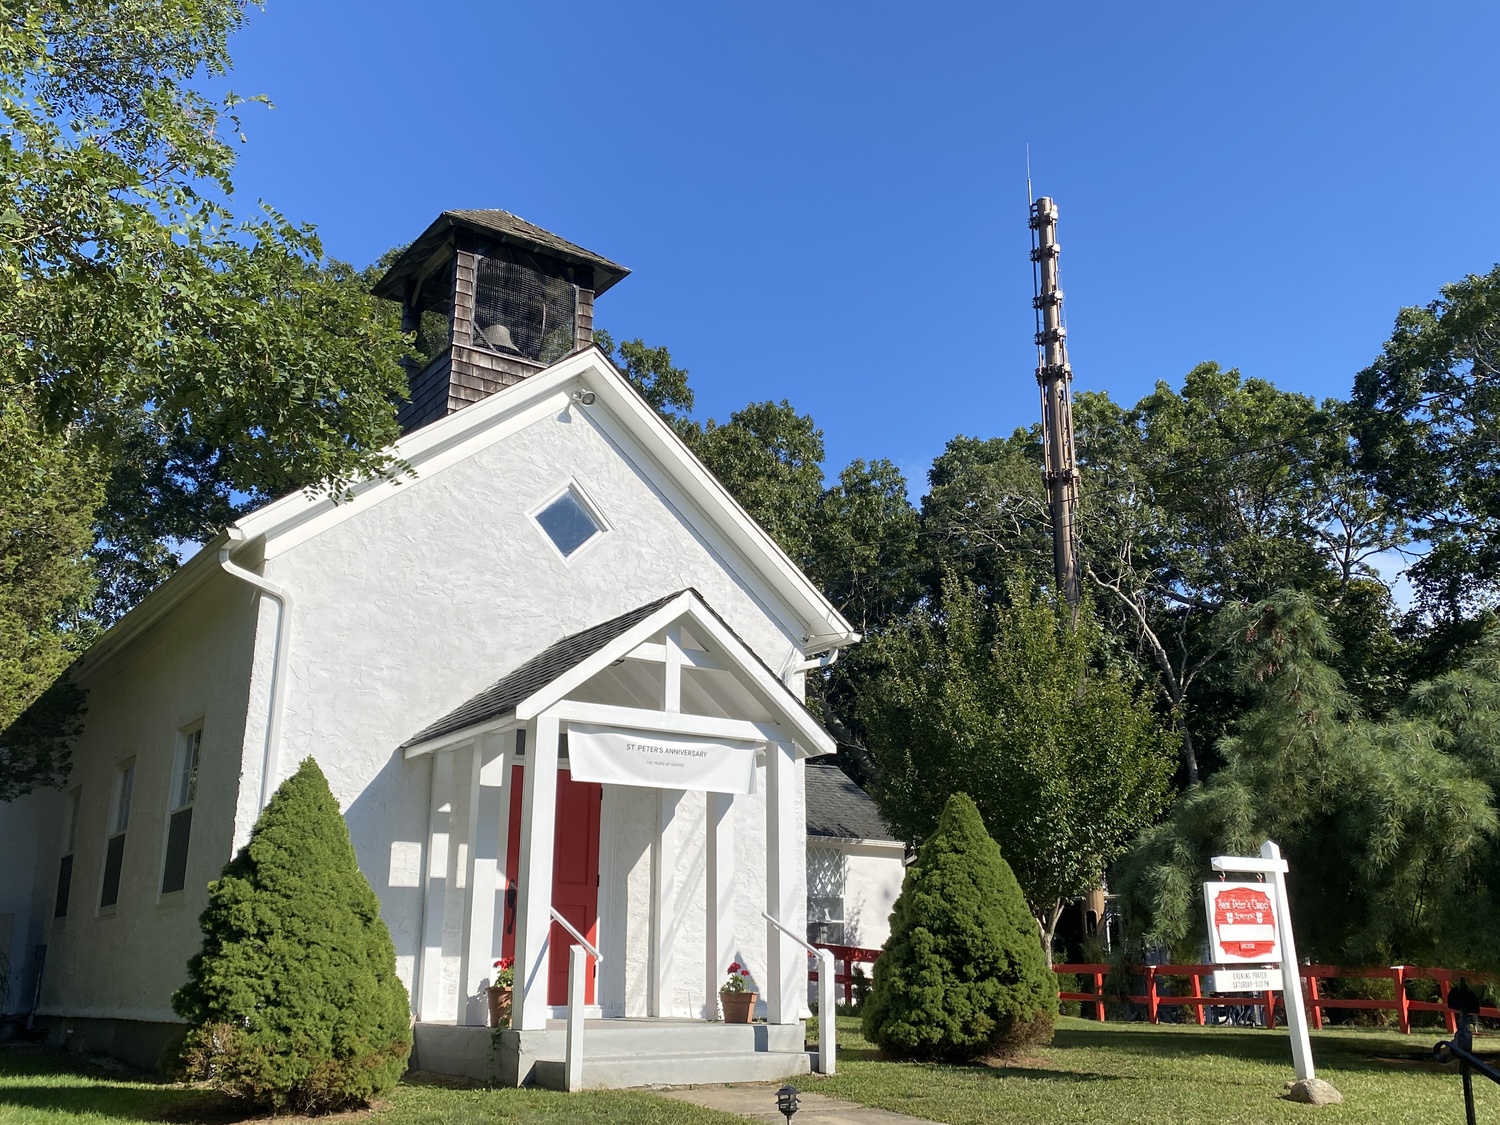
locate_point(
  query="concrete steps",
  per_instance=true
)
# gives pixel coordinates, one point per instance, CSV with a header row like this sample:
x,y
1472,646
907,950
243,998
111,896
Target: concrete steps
x,y
623,1053
617,1053
615,1072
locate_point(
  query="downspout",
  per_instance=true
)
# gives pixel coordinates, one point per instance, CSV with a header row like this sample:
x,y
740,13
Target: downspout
x,y
272,758
815,664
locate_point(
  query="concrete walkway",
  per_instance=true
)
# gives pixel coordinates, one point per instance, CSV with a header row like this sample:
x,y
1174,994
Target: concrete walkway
x,y
759,1104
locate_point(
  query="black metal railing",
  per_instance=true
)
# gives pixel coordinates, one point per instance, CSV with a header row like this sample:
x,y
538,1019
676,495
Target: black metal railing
x,y
1465,1003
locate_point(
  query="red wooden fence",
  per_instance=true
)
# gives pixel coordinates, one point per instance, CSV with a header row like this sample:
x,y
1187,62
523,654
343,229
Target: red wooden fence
x,y
1153,999
845,957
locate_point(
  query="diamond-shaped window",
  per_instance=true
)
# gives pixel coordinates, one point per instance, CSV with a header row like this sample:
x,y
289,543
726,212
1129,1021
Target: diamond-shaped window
x,y
568,523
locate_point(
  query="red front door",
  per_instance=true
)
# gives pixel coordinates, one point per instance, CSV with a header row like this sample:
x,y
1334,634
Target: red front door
x,y
575,876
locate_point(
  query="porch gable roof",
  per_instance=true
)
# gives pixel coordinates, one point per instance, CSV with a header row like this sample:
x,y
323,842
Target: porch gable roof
x,y
547,677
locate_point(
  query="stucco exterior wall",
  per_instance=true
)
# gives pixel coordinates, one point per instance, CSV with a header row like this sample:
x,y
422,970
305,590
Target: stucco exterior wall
x,y
193,665
873,875
413,606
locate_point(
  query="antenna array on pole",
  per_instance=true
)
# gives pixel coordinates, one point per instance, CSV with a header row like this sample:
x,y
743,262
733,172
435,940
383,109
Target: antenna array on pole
x,y
1055,378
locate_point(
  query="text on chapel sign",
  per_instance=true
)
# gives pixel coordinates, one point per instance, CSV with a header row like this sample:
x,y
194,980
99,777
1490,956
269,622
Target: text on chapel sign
x,y
1241,922
617,756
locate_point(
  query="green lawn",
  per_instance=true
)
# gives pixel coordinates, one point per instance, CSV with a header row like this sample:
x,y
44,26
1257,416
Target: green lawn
x,y
1120,1072
43,1088
1096,1073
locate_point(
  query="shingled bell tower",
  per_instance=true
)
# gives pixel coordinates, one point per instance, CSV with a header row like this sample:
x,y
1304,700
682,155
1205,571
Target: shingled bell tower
x,y
492,299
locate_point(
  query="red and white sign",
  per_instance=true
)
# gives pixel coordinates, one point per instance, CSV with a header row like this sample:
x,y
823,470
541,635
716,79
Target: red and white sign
x,y
1241,923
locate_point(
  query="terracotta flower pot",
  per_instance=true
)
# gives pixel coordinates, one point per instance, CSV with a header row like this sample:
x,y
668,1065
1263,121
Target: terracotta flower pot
x,y
738,1006
499,999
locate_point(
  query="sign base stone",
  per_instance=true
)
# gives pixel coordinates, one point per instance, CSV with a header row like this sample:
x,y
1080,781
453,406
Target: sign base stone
x,y
1313,1091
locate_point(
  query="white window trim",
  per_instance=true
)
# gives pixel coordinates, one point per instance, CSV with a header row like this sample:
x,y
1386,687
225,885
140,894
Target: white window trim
x,y
179,751
130,762
74,798
843,896
587,502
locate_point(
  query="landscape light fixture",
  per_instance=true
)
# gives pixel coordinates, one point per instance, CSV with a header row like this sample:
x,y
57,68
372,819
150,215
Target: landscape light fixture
x,y
786,1101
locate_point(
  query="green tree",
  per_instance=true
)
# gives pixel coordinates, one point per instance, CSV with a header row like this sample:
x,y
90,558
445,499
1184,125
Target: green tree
x,y
1033,718
961,975
1428,413
651,371
771,460
1389,825
864,544
185,363
293,1002
212,361
1195,500
48,494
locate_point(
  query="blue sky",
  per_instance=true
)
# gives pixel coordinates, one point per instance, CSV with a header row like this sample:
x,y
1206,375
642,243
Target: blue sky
x,y
825,202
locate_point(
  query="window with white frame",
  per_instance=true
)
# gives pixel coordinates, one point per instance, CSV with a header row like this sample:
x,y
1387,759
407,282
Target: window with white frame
x,y
119,822
569,521
180,809
826,875
65,865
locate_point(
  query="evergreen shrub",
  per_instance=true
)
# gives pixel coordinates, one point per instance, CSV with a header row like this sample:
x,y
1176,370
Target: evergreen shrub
x,y
293,1002
962,974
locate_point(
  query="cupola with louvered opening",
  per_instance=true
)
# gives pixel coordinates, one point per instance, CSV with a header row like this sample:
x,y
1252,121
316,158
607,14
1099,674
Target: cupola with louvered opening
x,y
491,299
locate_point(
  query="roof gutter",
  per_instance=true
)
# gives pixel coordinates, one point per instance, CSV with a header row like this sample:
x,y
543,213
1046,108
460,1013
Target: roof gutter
x,y
271,759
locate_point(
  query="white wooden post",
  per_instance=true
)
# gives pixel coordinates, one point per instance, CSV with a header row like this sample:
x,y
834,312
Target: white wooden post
x,y
1291,973
719,924
663,903
672,671
827,1014
430,1005
534,875
486,795
506,780
785,963
578,974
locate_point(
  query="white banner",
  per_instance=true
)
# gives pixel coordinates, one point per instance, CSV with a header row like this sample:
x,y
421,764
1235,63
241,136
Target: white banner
x,y
615,756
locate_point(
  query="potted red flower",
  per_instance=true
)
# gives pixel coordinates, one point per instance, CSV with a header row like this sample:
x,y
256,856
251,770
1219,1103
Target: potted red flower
x,y
736,995
499,991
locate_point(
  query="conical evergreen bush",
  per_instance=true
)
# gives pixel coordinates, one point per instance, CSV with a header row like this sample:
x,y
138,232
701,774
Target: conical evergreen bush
x,y
962,974
294,1002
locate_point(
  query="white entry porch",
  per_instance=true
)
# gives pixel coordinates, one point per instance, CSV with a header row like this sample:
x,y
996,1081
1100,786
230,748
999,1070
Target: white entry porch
x,y
656,754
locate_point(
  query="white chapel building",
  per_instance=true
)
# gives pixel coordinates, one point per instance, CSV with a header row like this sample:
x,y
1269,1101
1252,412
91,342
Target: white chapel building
x,y
554,671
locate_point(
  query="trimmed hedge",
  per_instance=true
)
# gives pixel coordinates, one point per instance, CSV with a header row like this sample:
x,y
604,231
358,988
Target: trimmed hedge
x,y
962,974
294,1002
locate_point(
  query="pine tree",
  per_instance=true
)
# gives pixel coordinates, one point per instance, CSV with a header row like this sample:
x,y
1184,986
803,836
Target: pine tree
x,y
294,1002
1390,826
962,974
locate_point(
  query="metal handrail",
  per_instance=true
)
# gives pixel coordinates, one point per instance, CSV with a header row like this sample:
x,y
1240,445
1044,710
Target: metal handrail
x,y
565,924
813,949
827,1035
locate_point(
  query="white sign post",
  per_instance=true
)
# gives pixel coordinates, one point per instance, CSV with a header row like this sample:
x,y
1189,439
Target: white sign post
x,y
1246,924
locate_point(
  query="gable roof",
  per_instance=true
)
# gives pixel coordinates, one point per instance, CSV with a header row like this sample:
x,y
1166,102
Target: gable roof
x,y
547,677
501,226
503,696
638,433
838,808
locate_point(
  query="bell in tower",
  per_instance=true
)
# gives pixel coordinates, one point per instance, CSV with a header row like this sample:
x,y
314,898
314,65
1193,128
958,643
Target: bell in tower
x,y
492,299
